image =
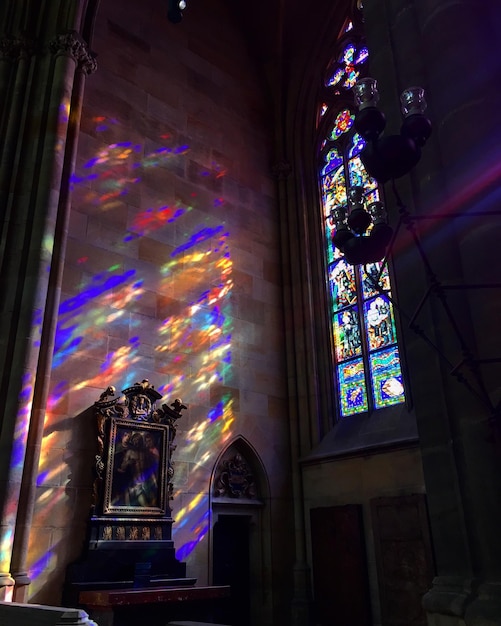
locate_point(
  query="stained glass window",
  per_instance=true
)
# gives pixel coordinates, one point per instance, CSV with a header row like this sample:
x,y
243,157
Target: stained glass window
x,y
367,361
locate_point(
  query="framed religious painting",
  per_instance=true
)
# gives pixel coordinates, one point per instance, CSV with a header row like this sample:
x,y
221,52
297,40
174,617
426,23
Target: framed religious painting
x,y
133,468
135,481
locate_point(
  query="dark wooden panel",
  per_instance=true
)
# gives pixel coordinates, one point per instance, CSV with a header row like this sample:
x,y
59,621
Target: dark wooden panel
x,y
403,558
231,565
152,595
340,580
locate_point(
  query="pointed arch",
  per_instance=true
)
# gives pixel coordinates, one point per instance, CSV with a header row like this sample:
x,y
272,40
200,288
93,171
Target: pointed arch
x,y
367,368
254,485
240,506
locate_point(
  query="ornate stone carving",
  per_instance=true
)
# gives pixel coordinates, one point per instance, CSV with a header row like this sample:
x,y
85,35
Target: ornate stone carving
x,y
71,44
88,63
13,48
133,533
169,416
108,532
281,170
136,404
234,479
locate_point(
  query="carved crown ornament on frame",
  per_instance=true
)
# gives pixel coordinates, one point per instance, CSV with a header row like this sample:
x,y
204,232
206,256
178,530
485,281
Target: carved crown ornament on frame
x,y
135,442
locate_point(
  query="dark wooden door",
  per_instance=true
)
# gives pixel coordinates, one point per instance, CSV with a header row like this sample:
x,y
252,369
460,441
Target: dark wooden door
x,y
403,558
231,565
340,579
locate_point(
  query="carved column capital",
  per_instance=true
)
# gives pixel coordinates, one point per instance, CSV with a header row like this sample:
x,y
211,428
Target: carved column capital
x,y
281,170
88,63
72,45
13,47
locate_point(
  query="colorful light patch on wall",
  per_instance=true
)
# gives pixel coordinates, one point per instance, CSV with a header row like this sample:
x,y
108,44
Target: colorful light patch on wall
x,y
104,337
150,220
117,168
201,441
84,319
199,339
18,454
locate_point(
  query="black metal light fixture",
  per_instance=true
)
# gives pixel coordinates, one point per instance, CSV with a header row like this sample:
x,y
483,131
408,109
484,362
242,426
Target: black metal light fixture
x,y
390,156
175,10
362,233
351,225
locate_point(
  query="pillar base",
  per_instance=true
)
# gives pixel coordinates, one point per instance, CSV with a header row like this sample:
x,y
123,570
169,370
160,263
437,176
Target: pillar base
x,y
456,601
22,585
6,587
485,610
301,606
449,596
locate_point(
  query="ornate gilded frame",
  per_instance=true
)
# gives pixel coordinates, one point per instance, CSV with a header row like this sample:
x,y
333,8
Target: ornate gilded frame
x,y
133,467
136,473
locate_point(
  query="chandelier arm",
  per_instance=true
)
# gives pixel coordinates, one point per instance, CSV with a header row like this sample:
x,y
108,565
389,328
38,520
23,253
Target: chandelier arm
x,y
374,282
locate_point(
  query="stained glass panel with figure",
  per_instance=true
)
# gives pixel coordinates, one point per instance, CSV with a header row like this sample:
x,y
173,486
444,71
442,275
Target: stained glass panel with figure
x,y
379,323
352,389
347,334
334,189
386,377
343,285
374,279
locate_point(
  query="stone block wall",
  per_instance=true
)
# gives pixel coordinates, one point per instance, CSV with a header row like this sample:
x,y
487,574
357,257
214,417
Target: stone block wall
x,y
359,480
172,272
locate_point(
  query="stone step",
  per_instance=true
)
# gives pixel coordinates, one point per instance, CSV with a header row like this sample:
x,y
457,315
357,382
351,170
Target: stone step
x,y
176,623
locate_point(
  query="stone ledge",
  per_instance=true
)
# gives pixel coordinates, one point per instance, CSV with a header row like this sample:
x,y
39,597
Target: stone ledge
x,y
42,615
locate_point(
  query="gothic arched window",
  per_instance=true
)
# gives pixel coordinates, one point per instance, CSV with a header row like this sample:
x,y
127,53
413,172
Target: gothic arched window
x,y
367,361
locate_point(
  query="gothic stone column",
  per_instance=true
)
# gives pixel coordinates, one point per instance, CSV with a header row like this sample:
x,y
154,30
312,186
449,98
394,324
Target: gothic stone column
x,y
432,43
41,54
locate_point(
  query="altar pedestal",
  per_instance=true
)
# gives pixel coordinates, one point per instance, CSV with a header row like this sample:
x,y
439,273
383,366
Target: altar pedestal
x,y
153,606
129,542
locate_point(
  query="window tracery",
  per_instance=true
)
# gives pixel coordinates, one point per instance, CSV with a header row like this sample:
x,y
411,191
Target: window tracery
x,y
366,355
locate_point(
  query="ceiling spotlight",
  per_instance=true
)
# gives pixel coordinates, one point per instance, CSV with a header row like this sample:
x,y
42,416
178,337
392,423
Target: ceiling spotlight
x,y
175,10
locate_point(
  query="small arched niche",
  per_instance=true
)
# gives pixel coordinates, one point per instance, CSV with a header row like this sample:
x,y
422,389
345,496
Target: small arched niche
x,y
240,533
239,476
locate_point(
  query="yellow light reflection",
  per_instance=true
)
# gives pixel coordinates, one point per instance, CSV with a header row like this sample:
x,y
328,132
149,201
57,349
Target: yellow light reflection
x,y
193,344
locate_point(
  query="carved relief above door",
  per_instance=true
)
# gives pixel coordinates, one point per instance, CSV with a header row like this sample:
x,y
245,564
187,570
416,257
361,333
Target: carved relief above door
x,y
234,478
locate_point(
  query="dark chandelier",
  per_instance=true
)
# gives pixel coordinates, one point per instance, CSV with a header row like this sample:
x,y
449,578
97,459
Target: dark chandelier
x,y
385,158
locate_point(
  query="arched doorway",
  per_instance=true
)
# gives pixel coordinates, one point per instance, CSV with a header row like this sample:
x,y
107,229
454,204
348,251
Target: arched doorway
x,y
240,534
